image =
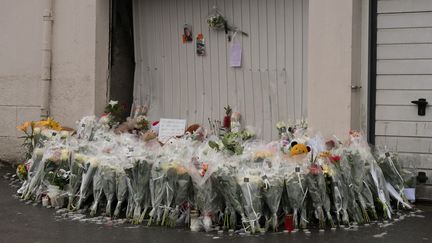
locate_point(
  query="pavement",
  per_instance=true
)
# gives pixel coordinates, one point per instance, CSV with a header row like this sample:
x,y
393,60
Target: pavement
x,y
21,222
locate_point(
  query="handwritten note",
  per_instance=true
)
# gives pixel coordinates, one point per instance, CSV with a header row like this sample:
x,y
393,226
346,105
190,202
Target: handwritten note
x,y
169,128
236,55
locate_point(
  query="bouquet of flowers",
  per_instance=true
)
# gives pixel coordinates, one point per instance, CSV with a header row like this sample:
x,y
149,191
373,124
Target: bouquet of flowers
x,y
251,185
109,186
201,167
273,187
182,196
393,173
121,181
340,191
314,180
296,187
228,187
90,168
139,176
97,189
75,176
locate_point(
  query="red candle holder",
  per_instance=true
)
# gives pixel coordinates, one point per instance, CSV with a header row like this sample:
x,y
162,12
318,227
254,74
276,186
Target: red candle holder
x,y
289,222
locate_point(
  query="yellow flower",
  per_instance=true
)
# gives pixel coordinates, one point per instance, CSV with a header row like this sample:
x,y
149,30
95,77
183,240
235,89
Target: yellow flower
x,y
53,124
49,123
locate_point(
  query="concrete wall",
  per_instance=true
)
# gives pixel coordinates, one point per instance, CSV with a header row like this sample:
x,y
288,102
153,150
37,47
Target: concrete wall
x,y
79,64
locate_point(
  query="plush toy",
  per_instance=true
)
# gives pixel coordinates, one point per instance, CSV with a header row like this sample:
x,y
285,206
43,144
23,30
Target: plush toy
x,y
127,126
149,135
299,148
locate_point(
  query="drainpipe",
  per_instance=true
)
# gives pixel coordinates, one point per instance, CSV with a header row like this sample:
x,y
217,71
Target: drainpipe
x,y
45,81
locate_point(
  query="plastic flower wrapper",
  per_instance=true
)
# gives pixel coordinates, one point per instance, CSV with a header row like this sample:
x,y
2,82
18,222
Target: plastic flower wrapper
x,y
251,185
121,181
130,199
90,168
76,171
201,167
158,189
170,188
229,188
35,180
57,168
86,127
393,172
355,210
109,186
315,179
339,190
274,183
97,189
182,197
139,176
32,166
358,171
378,187
49,163
297,190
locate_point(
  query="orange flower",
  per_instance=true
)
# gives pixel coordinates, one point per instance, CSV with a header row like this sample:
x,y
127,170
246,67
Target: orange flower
x,y
23,127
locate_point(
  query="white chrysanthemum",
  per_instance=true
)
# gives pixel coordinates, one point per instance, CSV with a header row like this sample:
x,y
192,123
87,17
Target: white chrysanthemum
x,y
36,130
64,134
39,151
46,133
64,154
280,125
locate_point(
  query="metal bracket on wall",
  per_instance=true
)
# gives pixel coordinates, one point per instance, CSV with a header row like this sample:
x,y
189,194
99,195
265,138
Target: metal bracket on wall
x,y
356,87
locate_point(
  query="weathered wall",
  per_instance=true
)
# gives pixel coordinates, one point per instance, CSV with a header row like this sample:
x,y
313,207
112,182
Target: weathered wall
x,y
79,64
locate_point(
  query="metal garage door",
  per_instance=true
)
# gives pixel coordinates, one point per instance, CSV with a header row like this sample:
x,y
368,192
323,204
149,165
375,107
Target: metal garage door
x,y
404,74
271,84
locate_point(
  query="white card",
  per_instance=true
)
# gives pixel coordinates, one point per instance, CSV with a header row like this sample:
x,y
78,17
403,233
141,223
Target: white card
x,y
236,55
169,128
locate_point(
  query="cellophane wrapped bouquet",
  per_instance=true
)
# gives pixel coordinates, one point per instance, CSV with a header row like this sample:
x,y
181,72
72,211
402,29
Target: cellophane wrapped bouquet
x,y
224,178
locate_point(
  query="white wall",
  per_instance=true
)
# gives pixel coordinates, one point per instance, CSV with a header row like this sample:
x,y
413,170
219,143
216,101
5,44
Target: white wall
x,y
80,42
337,61
270,86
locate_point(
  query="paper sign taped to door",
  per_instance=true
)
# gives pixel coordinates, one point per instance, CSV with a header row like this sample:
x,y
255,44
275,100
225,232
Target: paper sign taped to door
x,y
169,128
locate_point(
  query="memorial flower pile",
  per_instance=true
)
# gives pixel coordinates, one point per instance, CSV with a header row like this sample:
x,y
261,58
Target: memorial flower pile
x,y
211,179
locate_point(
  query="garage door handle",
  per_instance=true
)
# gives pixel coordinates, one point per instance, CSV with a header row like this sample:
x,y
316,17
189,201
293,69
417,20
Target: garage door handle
x,y
421,104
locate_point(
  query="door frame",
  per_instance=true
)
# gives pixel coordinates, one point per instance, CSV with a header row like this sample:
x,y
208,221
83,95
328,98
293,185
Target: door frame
x,y
373,13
